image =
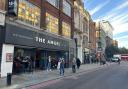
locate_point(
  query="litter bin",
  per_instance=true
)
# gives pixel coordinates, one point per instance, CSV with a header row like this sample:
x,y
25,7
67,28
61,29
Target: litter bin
x,y
9,76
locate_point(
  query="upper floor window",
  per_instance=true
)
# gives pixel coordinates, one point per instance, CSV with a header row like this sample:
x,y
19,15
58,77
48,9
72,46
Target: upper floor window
x,y
97,34
66,8
29,13
2,4
54,3
66,29
52,23
85,27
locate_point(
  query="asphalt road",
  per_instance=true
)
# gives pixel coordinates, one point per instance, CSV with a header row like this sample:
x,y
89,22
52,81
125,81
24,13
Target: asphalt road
x,y
112,77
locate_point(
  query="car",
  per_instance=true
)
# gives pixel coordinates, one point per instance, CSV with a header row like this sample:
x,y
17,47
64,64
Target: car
x,y
115,59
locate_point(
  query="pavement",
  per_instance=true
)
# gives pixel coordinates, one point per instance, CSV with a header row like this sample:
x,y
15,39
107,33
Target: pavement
x,y
28,79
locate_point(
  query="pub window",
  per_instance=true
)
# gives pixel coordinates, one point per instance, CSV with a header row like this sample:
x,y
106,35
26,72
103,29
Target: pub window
x,y
66,29
52,23
54,3
66,8
29,13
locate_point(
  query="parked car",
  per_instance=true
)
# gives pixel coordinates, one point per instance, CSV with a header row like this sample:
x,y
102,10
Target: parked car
x,y
115,59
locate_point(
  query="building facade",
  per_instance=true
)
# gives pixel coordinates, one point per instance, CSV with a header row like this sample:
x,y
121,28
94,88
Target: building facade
x,y
78,26
36,29
115,43
109,32
92,37
104,34
100,37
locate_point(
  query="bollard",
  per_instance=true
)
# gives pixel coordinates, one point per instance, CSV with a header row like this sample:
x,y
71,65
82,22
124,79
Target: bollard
x,y
9,75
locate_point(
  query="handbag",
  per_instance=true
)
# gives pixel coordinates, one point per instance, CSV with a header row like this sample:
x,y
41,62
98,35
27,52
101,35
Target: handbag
x,y
58,66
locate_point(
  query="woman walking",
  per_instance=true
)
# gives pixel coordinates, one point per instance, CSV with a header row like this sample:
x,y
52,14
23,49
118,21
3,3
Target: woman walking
x,y
74,65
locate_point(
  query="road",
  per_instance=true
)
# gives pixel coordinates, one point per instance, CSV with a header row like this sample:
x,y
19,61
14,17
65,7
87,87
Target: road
x,y
112,77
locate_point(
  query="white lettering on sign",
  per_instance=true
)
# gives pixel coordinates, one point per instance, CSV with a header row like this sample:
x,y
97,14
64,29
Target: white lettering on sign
x,y
50,42
39,39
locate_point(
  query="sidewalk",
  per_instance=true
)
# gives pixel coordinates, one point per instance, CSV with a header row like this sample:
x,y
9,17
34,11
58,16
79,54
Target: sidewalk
x,y
27,79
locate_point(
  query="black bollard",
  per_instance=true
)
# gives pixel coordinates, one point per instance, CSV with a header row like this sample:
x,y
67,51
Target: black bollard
x,y
9,76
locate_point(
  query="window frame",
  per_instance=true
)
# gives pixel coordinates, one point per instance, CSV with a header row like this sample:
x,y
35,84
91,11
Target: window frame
x,y
52,24
69,29
66,4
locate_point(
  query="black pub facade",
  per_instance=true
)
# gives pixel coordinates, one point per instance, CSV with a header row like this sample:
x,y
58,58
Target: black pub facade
x,y
31,36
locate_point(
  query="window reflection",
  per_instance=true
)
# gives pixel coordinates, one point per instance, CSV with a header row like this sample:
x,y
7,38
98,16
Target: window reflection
x,y
66,29
29,13
52,23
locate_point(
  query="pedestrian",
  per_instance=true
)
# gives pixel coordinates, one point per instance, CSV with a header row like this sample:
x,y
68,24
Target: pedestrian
x,y
74,65
25,64
61,66
118,60
78,63
49,64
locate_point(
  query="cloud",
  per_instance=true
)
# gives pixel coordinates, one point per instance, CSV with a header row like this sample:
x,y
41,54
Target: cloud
x,y
123,44
97,8
119,27
114,12
122,37
122,41
123,5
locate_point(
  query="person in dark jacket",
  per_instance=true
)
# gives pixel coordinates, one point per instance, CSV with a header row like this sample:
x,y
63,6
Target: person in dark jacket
x,y
78,62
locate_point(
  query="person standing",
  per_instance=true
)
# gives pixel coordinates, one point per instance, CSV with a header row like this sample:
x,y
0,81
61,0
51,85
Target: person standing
x,y
62,66
74,65
49,64
78,62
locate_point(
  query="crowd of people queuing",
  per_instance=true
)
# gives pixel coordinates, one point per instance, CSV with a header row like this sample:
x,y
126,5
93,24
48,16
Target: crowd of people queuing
x,y
27,63
23,64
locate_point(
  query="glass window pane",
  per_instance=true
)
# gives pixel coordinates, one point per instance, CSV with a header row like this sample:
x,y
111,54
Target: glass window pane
x,y
54,3
52,23
66,8
66,29
29,13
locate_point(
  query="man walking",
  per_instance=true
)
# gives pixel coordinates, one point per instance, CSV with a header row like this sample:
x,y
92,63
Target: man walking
x,y
49,64
78,63
61,66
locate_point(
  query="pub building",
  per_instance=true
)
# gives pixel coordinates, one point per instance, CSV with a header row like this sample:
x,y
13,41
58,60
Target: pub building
x,y
33,31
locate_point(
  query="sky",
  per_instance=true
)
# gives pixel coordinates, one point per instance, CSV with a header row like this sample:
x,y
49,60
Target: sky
x,y
114,11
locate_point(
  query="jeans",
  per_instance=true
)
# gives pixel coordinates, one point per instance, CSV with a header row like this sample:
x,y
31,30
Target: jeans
x,y
49,66
62,70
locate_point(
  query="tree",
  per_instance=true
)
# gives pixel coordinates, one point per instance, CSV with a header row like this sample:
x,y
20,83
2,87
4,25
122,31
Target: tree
x,y
123,50
111,50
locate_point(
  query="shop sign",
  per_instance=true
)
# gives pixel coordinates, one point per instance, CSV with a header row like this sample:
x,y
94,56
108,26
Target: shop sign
x,y
2,18
22,36
47,41
12,7
9,57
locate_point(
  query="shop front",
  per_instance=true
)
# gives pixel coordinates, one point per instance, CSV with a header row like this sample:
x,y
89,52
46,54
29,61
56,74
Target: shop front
x,y
34,47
